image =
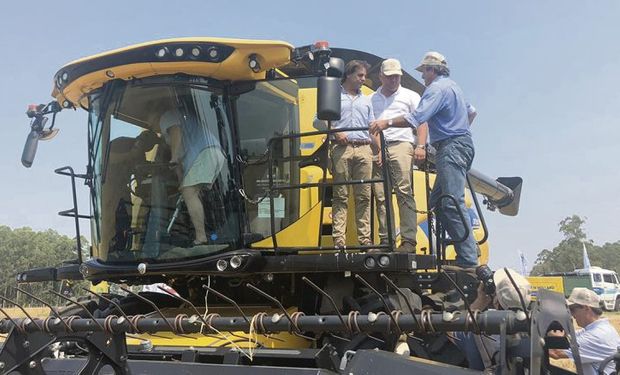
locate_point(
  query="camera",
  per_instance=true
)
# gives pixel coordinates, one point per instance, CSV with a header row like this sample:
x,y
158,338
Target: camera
x,y
485,275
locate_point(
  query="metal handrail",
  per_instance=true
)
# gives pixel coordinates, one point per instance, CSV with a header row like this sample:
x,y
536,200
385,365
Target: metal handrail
x,y
73,212
272,187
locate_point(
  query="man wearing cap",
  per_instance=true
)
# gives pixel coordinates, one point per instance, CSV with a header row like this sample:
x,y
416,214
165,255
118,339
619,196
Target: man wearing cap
x,y
597,339
449,116
389,101
351,155
482,351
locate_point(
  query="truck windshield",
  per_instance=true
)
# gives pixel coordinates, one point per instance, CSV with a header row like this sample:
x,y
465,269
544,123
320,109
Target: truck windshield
x,y
160,155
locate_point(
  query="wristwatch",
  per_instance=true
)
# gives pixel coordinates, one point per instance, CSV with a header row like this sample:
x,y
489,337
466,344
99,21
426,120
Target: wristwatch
x,y
390,122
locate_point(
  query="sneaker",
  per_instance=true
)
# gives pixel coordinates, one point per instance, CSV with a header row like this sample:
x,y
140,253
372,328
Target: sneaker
x,y
339,243
406,247
366,243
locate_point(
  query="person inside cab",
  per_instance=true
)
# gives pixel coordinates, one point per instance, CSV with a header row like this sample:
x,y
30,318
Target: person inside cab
x,y
197,159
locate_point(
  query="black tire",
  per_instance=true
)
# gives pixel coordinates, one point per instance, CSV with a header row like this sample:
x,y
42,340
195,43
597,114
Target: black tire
x,y
617,304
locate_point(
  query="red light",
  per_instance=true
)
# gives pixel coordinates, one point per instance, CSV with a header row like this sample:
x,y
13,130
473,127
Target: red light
x,y
32,107
322,44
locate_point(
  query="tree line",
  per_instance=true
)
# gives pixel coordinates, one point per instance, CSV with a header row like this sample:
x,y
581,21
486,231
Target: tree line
x,y
568,254
22,249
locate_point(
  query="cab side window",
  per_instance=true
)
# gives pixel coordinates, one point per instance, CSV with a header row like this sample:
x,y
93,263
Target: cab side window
x,y
609,278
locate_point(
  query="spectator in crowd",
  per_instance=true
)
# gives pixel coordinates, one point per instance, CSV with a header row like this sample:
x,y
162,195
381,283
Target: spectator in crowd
x,y
597,340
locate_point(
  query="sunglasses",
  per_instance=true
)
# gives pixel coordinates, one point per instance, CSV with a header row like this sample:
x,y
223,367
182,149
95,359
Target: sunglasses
x,y
574,308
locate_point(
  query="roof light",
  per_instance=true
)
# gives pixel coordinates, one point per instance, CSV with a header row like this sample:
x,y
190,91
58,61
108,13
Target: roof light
x,y
196,51
65,76
253,63
162,52
179,52
213,53
321,44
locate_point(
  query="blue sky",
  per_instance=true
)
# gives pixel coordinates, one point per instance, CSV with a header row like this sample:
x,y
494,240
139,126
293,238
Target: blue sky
x,y
544,76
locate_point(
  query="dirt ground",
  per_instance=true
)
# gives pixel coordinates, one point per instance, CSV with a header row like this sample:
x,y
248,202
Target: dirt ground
x,y
614,318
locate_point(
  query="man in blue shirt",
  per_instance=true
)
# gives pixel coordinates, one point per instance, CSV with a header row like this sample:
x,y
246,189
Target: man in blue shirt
x,y
597,340
352,155
443,107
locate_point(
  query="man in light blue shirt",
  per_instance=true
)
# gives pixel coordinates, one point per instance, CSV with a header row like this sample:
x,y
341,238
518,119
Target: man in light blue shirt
x,y
597,340
352,155
449,117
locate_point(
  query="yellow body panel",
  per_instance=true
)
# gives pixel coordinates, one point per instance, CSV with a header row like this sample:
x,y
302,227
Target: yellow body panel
x,y
270,54
281,340
554,283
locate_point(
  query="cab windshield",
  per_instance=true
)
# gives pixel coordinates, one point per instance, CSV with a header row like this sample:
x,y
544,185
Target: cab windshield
x,y
161,160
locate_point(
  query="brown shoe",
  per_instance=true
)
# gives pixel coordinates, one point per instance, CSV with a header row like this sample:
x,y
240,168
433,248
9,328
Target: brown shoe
x,y
406,247
455,268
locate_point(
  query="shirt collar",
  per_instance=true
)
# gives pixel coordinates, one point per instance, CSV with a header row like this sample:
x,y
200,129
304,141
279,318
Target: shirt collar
x,y
395,92
343,91
595,323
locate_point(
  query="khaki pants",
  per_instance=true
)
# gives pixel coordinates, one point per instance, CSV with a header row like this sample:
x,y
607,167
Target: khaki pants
x,y
399,157
351,163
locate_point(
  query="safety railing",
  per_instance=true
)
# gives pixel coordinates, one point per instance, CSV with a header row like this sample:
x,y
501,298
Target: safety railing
x,y
273,187
73,212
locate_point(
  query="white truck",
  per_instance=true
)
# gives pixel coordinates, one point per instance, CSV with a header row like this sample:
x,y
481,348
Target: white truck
x,y
605,284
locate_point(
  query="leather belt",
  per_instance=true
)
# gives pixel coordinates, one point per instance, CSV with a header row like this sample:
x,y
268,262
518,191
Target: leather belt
x,y
358,143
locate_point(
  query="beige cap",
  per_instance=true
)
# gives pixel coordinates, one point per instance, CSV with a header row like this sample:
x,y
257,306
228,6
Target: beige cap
x,y
507,294
391,67
432,58
584,297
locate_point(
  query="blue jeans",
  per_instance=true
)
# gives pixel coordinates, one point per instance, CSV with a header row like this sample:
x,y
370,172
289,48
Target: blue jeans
x,y
453,159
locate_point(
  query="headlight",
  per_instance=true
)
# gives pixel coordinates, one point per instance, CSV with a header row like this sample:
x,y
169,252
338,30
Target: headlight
x,y
221,265
236,261
384,260
370,262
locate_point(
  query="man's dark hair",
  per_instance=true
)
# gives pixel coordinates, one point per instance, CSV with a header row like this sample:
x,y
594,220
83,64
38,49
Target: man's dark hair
x,y
439,70
597,311
352,66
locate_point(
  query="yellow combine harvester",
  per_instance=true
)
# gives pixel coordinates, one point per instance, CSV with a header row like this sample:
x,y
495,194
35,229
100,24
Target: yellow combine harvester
x,y
259,286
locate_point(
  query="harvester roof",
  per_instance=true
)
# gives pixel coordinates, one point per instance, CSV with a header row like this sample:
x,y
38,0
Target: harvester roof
x,y
218,58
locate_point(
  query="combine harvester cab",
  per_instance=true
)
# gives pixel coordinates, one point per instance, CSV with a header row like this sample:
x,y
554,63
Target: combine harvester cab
x,y
206,175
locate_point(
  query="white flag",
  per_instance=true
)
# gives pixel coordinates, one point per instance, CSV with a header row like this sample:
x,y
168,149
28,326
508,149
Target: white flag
x,y
586,260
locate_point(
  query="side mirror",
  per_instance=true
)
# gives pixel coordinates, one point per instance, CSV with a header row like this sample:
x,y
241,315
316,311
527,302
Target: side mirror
x,y
30,148
37,129
328,91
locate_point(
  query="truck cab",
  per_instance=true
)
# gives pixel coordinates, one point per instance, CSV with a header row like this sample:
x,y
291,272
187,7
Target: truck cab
x,y
605,284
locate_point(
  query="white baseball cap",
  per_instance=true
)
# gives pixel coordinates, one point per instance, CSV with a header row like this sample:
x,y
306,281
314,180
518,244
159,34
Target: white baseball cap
x,y
391,67
432,58
584,297
507,294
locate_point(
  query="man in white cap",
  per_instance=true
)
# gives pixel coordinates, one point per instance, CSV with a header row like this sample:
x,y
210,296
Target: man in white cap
x,y
482,351
449,116
597,339
389,101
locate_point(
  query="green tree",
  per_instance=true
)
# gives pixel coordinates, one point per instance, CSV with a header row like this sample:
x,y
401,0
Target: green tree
x,y
23,249
568,254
